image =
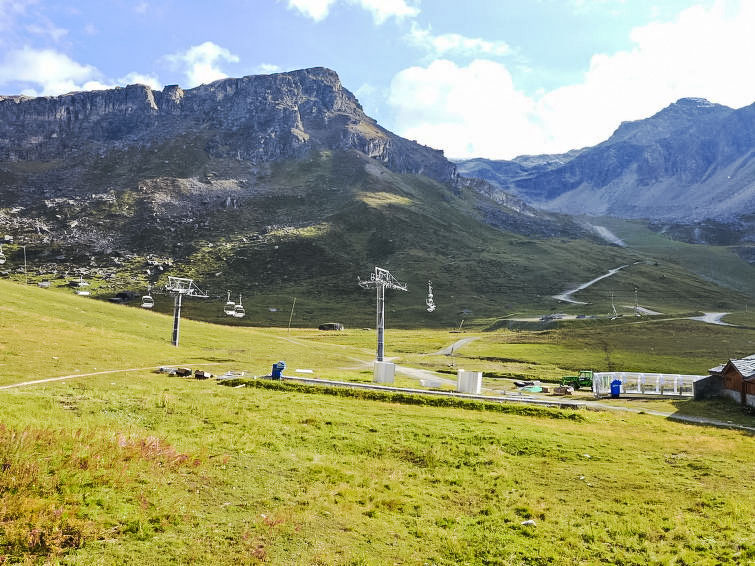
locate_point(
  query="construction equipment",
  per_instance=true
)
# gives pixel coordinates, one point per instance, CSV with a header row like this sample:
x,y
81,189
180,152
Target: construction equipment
x,y
584,379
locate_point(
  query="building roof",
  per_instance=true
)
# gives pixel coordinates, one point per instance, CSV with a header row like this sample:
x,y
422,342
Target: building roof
x,y
745,366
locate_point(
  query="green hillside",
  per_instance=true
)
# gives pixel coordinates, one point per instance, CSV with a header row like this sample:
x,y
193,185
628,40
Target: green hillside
x,y
310,227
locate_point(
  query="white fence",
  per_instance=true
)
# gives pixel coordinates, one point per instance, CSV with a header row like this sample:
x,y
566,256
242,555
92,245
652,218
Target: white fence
x,y
646,383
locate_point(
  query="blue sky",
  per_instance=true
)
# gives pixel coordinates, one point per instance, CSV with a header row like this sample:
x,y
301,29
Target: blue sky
x,y
479,78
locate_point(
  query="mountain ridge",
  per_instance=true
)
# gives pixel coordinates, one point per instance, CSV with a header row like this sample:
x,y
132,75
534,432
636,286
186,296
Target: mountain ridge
x,y
690,161
274,116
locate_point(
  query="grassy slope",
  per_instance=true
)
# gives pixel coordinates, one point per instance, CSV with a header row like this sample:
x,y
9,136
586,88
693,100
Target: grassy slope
x,y
718,264
317,223
141,468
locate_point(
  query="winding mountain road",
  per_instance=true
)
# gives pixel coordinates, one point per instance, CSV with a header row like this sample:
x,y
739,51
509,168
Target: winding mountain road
x,y
712,318
566,295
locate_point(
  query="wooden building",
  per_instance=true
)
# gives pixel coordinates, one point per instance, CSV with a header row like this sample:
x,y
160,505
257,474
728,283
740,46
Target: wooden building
x,y
737,380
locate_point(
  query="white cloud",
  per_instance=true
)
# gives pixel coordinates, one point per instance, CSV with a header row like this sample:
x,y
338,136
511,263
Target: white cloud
x,y
138,78
46,72
54,72
9,9
381,10
141,7
315,9
476,110
267,69
200,63
455,44
466,111
49,29
366,89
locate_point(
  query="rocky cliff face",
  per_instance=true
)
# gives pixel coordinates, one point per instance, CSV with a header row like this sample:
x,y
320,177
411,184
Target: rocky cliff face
x,y
691,161
251,183
256,119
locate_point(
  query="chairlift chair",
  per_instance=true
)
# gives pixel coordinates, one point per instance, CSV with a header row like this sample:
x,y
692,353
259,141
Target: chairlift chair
x,y
429,301
230,307
238,310
147,301
2,255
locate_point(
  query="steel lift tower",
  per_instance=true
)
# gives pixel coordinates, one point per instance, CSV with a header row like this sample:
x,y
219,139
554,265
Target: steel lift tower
x,y
181,286
381,280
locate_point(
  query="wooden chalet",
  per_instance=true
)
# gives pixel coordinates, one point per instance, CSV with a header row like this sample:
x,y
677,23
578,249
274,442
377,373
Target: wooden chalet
x,y
737,380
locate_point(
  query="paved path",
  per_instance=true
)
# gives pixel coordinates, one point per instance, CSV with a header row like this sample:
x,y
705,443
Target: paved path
x,y
104,372
673,416
566,295
449,350
424,375
712,318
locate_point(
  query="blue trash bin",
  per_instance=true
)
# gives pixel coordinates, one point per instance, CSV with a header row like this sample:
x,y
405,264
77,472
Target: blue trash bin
x,y
278,370
615,388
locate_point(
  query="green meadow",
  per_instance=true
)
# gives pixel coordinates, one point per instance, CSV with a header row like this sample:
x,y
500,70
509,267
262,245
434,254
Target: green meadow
x,y
136,467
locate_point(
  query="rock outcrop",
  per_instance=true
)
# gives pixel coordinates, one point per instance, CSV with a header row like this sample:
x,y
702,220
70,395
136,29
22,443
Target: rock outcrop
x,y
257,118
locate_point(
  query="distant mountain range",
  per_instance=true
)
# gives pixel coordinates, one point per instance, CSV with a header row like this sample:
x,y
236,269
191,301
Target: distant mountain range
x,y
692,161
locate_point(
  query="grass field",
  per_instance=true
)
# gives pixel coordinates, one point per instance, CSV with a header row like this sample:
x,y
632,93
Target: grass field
x,y
143,468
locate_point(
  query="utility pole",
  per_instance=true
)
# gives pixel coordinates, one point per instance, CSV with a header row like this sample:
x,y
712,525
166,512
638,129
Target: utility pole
x,y
181,286
381,280
291,316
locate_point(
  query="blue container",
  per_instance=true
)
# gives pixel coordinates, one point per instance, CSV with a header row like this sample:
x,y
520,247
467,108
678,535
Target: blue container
x,y
278,370
615,388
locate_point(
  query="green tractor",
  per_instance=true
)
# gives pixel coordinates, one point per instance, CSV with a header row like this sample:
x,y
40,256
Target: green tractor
x,y
584,379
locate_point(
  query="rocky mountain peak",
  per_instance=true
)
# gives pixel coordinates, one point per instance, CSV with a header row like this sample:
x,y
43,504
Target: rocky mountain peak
x,y
679,116
259,118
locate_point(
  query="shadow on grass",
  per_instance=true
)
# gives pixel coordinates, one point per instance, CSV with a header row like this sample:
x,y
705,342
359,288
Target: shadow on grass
x,y
723,411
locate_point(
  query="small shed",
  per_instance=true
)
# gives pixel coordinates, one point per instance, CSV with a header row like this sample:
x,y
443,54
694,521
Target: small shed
x,y
737,380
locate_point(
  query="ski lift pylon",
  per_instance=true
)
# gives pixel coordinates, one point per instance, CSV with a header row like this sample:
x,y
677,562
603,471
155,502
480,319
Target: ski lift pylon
x,y
230,307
